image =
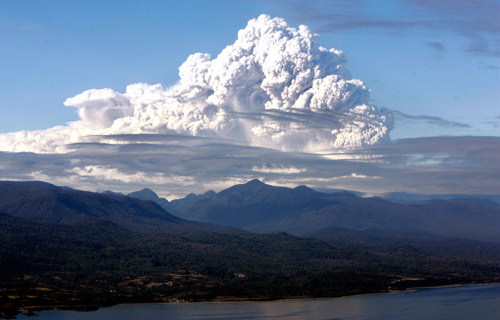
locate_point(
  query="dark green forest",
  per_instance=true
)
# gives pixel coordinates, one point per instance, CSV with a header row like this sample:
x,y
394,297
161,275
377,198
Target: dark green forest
x,y
95,263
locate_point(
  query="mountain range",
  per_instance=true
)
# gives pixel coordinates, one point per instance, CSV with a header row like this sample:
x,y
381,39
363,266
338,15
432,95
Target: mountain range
x,y
465,227
173,207
44,202
255,207
258,207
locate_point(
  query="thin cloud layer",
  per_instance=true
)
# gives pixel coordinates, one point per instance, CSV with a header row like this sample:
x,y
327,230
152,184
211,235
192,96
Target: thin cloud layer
x,y
477,22
275,87
177,165
431,120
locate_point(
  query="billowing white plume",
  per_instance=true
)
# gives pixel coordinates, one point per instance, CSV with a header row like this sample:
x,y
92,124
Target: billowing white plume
x,y
274,87
100,108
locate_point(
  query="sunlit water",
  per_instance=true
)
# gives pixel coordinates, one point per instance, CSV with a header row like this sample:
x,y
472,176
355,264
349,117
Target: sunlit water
x,y
464,302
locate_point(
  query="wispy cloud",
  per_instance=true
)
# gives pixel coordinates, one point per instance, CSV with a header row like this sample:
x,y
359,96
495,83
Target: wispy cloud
x,y
478,22
430,120
278,169
436,46
175,166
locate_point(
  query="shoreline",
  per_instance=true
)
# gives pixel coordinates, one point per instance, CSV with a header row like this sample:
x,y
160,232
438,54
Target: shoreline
x,y
409,289
89,308
450,286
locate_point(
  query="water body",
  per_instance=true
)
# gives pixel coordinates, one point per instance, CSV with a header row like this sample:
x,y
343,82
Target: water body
x,y
464,302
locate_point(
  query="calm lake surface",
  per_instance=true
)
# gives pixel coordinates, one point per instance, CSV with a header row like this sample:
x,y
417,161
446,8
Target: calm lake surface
x,y
464,302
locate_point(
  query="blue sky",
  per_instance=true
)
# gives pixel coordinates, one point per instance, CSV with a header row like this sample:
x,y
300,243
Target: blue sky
x,y
435,65
52,50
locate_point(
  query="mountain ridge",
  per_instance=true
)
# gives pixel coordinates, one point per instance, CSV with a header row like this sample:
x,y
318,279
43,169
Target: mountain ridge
x,y
258,207
150,195
44,202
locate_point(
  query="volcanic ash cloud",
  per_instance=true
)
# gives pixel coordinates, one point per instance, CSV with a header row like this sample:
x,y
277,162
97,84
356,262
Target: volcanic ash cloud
x,y
274,87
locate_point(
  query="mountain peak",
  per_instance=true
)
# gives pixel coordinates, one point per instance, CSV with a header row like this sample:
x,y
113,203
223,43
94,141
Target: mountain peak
x,y
145,194
112,193
304,189
209,193
147,190
148,194
255,182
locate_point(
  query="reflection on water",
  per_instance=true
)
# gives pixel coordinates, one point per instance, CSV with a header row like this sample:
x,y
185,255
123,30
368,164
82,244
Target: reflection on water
x,y
465,302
